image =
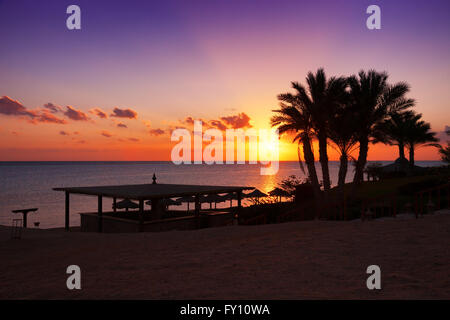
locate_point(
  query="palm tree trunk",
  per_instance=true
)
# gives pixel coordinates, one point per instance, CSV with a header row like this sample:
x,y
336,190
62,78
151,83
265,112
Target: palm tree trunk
x,y
323,158
411,156
309,159
401,150
342,170
361,162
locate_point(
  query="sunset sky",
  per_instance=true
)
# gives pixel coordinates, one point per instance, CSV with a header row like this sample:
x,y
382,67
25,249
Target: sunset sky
x,y
136,70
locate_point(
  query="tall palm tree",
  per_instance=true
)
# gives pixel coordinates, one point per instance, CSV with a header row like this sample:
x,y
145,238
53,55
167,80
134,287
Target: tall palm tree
x,y
373,99
395,130
342,134
419,135
445,151
293,117
320,98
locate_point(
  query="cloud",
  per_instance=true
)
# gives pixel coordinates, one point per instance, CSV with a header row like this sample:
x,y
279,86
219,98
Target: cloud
x,y
122,125
124,113
217,124
188,120
106,134
64,133
99,113
76,115
12,107
52,107
157,132
46,116
240,120
133,139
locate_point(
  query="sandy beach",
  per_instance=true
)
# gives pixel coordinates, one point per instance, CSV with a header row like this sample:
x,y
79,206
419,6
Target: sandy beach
x,y
301,260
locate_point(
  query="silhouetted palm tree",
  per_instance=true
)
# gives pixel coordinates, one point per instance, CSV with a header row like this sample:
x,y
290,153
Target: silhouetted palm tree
x,y
419,134
321,98
293,117
372,100
395,129
342,133
445,151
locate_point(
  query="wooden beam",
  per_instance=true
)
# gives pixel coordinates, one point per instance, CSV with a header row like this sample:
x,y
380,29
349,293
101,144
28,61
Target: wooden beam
x,y
197,205
100,214
114,204
141,215
67,222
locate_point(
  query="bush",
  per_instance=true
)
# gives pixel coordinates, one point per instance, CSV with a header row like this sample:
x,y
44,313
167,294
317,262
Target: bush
x,y
413,187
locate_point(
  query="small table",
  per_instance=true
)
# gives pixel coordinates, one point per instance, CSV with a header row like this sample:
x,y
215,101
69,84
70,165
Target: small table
x,y
25,213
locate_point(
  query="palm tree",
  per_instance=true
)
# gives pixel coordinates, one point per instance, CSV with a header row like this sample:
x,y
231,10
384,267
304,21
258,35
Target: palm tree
x,y
445,151
293,117
372,100
342,134
320,98
418,135
395,129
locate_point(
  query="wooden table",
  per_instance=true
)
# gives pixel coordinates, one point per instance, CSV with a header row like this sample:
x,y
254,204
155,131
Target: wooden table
x,y
25,213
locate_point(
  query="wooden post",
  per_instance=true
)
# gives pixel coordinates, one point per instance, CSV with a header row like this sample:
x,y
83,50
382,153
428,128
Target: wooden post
x,y
141,214
67,210
25,214
100,214
197,205
197,211
114,204
239,201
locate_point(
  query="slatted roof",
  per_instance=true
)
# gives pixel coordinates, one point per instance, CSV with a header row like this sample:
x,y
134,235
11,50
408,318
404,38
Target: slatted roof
x,y
151,191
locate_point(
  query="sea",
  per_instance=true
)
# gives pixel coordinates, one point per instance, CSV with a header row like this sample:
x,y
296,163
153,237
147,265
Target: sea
x,y
30,184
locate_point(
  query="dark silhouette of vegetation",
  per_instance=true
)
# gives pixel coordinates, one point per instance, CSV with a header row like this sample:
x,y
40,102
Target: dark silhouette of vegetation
x,y
348,114
293,117
342,134
445,151
373,100
321,98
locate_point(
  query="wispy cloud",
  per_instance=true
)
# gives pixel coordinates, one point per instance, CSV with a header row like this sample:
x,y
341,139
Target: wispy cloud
x,y
106,134
99,113
75,114
52,107
240,120
12,107
124,113
157,132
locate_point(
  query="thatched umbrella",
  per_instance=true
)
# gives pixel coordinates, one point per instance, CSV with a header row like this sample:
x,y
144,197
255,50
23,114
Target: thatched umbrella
x,y
126,204
277,192
210,198
167,202
255,194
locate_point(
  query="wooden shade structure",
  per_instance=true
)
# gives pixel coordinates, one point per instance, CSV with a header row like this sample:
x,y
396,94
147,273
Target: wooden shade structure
x,y
255,194
126,204
277,192
142,192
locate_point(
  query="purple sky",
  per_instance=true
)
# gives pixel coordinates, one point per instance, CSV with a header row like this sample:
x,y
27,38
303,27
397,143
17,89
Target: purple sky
x,y
172,59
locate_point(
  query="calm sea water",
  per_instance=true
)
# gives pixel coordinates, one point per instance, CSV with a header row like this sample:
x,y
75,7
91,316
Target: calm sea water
x,y
29,184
